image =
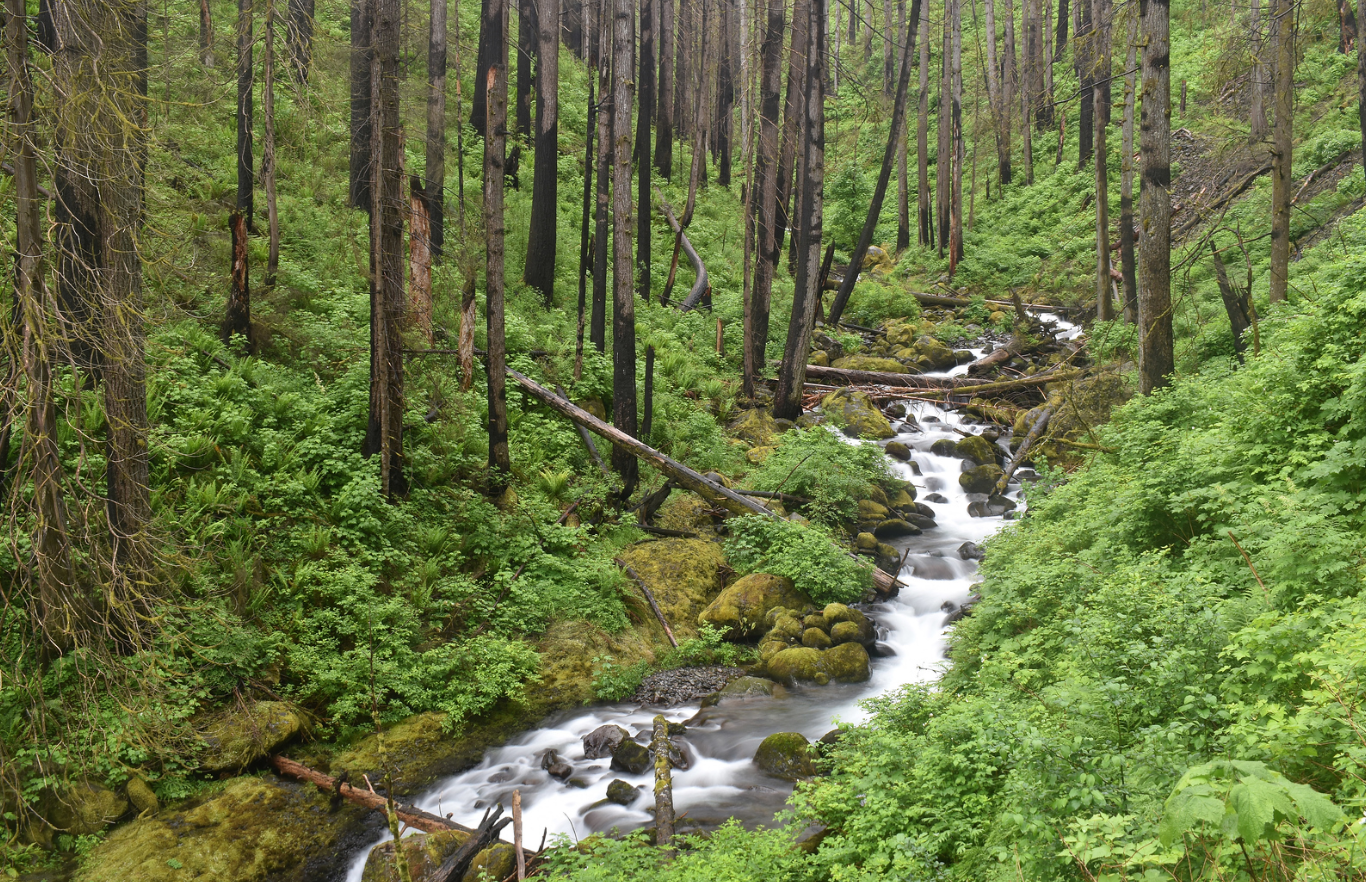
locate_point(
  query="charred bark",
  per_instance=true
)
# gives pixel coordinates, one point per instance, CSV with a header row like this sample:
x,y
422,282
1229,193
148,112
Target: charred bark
x,y
540,250
1155,354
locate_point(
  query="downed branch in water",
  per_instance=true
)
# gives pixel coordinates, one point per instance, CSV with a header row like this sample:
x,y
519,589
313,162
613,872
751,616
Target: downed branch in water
x,y
649,596
411,815
885,584
1040,379
455,866
1034,432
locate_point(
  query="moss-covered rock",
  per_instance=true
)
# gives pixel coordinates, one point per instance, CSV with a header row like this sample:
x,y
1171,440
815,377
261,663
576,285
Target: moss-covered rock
x,y
740,609
977,449
786,628
755,426
981,479
683,574
931,355
897,450
865,542
786,755
848,662
857,414
815,638
871,512
83,808
744,686
893,528
768,649
849,625
424,851
141,796
870,363
621,793
631,757
820,358
237,737
844,632
944,447
687,512
799,664
815,620
903,498
493,864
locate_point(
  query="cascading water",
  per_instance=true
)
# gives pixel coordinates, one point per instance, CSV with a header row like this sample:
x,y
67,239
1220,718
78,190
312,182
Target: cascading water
x,y
721,781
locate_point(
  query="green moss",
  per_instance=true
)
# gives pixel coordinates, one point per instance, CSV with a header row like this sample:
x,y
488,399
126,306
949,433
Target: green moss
x,y
786,755
740,609
683,574
424,851
857,414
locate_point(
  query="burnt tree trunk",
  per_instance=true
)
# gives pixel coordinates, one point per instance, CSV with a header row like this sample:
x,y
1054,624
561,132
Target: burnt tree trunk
x,y
434,187
766,187
725,94
1000,113
362,23
644,164
792,116
664,125
540,250
245,166
493,78
268,148
420,260
1361,78
1101,55
1155,355
623,298
527,28
237,316
922,138
1126,179
1282,146
955,14
585,237
1084,58
597,332
299,36
1236,304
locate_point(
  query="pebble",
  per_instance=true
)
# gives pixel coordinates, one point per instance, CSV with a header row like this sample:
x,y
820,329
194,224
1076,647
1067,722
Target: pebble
x,y
682,685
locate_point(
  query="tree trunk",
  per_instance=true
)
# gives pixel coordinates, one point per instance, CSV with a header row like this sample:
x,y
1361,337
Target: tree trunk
x,y
387,295
585,239
792,116
539,272
903,183
299,36
943,161
362,23
888,48
434,187
701,127
956,120
1104,302
494,80
245,173
1000,113
237,316
683,40
1155,356
1060,37
1283,12
623,298
268,148
1027,70
1361,79
664,129
1010,87
1126,179
787,398
894,135
1258,129
725,95
1235,304
644,163
527,29
1046,100
420,260
925,214
1347,26
492,46
205,34
597,331
766,186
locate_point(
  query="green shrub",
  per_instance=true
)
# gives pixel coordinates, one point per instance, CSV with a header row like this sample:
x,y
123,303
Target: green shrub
x,y
808,555
816,465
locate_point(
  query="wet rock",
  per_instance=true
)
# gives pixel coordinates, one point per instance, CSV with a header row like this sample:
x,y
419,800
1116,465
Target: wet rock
x,y
930,567
810,420
832,737
683,574
895,527
977,449
848,662
963,611
921,522
897,450
865,542
838,612
887,558
745,686
141,796
556,767
937,499
903,498
944,447
924,510
931,355
786,755
786,628
872,512
799,664
84,808
236,738
603,740
681,685
844,632
621,793
846,621
895,410
993,507
815,620
970,551
425,853
498,861
739,610
857,413
816,638
631,758
964,356
769,648
980,479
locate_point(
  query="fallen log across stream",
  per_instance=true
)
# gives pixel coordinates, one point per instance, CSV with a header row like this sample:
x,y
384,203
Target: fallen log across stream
x,y
974,385
884,583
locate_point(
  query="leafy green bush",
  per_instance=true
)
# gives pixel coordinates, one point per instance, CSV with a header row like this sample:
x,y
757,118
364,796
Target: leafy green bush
x,y
709,647
728,854
614,682
816,465
808,555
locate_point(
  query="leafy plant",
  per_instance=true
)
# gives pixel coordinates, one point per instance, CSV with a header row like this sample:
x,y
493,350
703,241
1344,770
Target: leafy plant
x,y
614,682
806,554
818,466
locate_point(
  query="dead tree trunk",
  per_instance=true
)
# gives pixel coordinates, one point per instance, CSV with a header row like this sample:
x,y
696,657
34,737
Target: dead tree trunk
x,y
895,135
420,260
268,148
1235,303
792,116
494,81
245,173
623,298
526,53
765,185
787,398
434,187
1084,60
597,331
1101,55
540,250
1283,13
1155,355
644,164
237,318
299,36
1361,76
1060,37
1028,66
1009,85
362,23
664,792
725,94
1126,178
955,14
664,129
943,162
1000,115
925,215
903,183
205,34
585,239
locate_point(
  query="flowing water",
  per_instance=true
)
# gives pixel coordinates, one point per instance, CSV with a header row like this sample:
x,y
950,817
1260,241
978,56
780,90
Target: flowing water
x,y
721,781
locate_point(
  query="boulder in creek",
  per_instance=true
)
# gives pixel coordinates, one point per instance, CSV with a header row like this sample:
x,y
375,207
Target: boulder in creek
x,y
556,767
621,793
944,447
921,522
845,632
893,528
931,355
980,479
603,740
748,686
977,449
141,796
739,609
904,497
897,450
631,758
993,506
816,638
786,628
815,620
769,648
865,542
842,618
425,853
799,664
872,512
848,662
235,738
937,498
498,861
84,808
857,413
870,363
786,755
887,558
970,551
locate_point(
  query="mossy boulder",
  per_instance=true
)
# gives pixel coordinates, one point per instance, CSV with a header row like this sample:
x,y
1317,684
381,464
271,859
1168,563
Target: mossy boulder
x,y
871,363
425,852
977,449
687,512
893,528
493,864
849,625
932,355
857,414
744,686
865,542
816,638
769,648
848,662
631,757
903,498
252,830
141,796
683,574
944,447
820,358
237,737
870,512
799,664
756,426
739,610
844,632
603,741
897,450
85,807
786,755
786,628
981,479
621,793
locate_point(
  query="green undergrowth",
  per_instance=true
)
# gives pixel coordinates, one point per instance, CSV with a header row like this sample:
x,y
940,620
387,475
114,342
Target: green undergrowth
x,y
614,682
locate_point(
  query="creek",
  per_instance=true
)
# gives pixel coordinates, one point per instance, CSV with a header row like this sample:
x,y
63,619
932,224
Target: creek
x,y
722,781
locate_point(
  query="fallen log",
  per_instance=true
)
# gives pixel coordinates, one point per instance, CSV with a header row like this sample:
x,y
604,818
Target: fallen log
x,y
784,498
886,584
847,377
1019,457
701,285
1042,379
649,596
587,440
411,815
455,866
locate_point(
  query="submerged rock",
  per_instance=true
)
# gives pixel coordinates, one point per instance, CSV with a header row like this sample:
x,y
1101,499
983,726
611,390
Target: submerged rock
x,y
799,664
621,793
970,551
786,755
739,610
556,767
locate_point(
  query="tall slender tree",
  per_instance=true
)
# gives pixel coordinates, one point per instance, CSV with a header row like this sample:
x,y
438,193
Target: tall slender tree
x,y
1361,77
597,331
664,129
787,397
1027,66
926,215
793,99
205,34
268,147
623,298
725,93
1126,177
299,37
362,24
434,186
955,15
766,187
539,272
1258,129
1282,146
1000,113
644,164
245,167
493,79
1156,359
1101,54
903,182
943,162
526,56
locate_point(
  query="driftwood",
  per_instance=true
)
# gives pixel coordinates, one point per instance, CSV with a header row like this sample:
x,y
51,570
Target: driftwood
x,y
886,584
455,866
649,596
1034,432
411,815
702,284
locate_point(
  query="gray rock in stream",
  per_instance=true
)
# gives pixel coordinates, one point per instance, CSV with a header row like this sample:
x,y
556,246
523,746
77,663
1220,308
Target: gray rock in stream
x,y
682,685
631,758
970,551
603,740
621,793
